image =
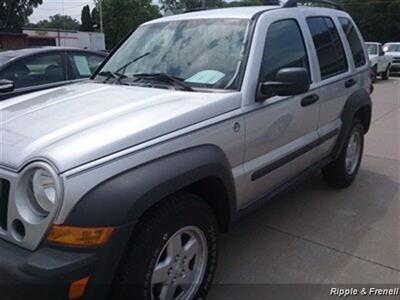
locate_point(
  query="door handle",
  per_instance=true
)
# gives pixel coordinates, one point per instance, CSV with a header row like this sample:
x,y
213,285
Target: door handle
x,y
309,100
349,83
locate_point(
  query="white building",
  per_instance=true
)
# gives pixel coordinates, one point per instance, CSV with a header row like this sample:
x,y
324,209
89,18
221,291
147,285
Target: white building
x,y
69,38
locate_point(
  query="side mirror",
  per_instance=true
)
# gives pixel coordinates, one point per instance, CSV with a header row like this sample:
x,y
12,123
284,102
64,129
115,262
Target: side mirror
x,y
382,53
289,82
6,86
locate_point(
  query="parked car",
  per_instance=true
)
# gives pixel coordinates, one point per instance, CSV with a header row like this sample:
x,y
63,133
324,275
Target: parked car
x,y
117,187
34,69
393,50
380,61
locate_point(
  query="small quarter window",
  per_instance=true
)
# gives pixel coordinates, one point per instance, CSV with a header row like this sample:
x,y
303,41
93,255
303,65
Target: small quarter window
x,y
329,47
354,41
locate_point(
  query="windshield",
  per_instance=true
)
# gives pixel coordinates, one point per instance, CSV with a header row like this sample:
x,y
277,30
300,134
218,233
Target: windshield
x,y
392,48
4,58
204,53
372,49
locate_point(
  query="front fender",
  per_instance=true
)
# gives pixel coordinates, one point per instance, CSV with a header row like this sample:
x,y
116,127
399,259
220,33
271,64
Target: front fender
x,y
123,198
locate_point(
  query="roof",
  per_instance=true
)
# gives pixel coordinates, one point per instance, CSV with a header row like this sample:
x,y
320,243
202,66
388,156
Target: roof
x,y
246,12
8,55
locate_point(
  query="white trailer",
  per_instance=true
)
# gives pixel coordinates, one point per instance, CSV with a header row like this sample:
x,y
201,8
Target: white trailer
x,y
94,41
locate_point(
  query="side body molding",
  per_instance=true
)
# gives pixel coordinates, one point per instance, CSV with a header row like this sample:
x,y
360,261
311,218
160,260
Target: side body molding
x,y
358,103
123,198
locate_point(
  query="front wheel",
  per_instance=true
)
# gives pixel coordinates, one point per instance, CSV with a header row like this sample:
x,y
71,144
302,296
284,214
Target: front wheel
x,y
341,172
172,254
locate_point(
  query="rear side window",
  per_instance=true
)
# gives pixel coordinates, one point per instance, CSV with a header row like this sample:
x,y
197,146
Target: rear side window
x,y
284,48
354,41
330,51
83,64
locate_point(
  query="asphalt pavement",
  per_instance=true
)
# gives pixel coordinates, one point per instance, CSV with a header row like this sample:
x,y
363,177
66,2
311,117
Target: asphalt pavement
x,y
316,237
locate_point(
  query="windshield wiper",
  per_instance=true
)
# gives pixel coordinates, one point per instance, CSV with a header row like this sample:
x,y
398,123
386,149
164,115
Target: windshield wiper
x,y
163,77
110,74
123,68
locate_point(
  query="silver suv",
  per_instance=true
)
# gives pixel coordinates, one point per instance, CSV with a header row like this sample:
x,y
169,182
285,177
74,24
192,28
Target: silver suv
x,y
116,188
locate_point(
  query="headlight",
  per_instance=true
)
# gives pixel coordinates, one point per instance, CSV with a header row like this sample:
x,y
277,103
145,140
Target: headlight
x,y
43,191
39,192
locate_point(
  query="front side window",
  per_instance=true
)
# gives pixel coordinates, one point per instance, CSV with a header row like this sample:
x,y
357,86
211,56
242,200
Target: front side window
x,y
37,70
284,48
329,47
204,52
354,42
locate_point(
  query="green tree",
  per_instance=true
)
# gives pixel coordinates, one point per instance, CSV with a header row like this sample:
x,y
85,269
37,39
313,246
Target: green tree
x,y
378,20
59,22
86,19
95,19
122,16
14,14
177,6
243,3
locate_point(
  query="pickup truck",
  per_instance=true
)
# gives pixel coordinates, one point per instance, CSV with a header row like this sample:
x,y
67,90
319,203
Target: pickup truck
x,y
393,49
380,61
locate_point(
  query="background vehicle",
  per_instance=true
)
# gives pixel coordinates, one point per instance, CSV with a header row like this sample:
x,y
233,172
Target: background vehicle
x,y
165,146
393,49
380,61
28,70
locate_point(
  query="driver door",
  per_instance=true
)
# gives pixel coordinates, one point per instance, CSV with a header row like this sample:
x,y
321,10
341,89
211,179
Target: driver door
x,y
280,131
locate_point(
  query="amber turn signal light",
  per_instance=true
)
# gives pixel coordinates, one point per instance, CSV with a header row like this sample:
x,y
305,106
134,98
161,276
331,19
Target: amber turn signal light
x,y
79,236
77,288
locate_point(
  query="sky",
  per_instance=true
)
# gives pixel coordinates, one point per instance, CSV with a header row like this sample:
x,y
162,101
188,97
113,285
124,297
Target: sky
x,y
49,8
71,8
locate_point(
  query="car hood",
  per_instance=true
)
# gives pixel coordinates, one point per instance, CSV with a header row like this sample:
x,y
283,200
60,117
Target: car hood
x,y
75,124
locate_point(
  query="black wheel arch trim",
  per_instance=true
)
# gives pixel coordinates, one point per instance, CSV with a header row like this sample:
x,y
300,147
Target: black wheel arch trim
x,y
124,198
358,101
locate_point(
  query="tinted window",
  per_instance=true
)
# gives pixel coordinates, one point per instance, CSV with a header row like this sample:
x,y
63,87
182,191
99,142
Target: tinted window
x,y
35,71
284,48
83,64
354,42
331,55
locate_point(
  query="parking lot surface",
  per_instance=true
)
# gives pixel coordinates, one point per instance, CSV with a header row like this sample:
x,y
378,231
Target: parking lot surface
x,y
317,235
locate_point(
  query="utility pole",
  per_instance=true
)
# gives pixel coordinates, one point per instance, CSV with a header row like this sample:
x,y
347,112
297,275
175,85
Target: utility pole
x,y
101,16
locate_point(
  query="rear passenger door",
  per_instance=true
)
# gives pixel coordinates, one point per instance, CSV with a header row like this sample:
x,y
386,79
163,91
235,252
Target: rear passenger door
x,y
335,83
280,131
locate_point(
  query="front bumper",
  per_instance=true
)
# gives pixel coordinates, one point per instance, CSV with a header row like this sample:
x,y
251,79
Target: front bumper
x,y
395,67
48,272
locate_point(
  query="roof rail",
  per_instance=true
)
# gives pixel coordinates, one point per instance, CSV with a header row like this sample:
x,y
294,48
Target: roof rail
x,y
293,3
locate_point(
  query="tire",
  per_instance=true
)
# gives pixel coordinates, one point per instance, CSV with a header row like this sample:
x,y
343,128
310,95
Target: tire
x,y
386,74
180,219
374,74
337,173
